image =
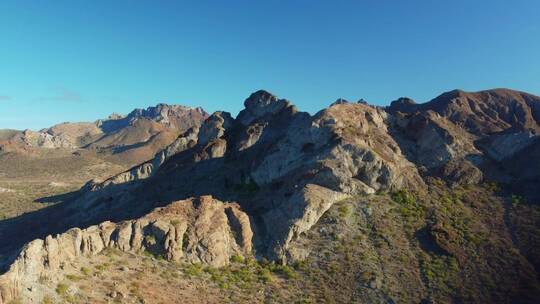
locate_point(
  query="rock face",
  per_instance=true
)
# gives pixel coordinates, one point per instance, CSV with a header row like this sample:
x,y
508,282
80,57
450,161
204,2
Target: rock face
x,y
506,145
46,140
176,116
214,127
198,230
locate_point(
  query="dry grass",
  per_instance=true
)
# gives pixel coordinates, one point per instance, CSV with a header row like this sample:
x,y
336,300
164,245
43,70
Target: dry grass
x,y
27,177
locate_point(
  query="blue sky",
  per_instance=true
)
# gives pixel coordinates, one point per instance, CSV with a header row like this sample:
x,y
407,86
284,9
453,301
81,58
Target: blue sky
x,y
81,60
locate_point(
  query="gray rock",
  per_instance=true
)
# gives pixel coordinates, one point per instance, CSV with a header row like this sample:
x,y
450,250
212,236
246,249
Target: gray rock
x,y
213,232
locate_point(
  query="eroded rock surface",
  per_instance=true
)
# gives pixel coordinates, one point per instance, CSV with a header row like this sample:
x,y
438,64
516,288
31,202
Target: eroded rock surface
x,y
198,230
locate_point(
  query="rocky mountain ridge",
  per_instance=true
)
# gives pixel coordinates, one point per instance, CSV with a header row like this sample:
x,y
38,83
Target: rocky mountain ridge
x,y
285,169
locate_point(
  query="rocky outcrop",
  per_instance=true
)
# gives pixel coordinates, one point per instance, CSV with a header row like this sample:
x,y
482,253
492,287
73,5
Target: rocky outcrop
x,y
214,127
349,147
503,146
207,135
172,115
432,141
296,216
197,230
261,104
46,140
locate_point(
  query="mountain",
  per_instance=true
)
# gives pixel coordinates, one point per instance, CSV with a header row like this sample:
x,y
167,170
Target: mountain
x,y
35,167
423,203
130,139
482,132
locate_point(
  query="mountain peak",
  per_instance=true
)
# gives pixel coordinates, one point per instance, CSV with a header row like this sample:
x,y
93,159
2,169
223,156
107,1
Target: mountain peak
x,y
402,104
260,104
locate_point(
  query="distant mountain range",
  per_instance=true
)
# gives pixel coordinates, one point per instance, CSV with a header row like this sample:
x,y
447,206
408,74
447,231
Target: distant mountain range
x,y
132,138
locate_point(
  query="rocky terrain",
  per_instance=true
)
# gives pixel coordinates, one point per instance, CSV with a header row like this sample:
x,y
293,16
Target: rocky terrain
x,y
410,203
36,168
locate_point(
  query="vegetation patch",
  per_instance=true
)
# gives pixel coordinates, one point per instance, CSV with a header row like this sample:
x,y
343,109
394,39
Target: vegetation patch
x,y
409,207
440,272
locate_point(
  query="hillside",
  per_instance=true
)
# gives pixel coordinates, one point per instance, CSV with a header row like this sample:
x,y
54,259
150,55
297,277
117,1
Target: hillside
x,y
410,203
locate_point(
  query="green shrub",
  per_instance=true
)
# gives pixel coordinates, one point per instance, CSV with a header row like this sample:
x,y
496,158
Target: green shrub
x,y
102,267
73,277
247,187
85,271
265,275
193,270
47,300
237,259
62,289
409,208
440,271
286,271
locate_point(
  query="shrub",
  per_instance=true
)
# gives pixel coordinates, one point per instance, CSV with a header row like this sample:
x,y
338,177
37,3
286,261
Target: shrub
x,y
286,271
62,289
193,270
265,275
409,207
237,259
343,211
85,271
102,267
73,277
492,186
440,271
47,300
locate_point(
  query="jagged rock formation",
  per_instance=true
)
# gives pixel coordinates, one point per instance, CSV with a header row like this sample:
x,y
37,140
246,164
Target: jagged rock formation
x,y
194,230
287,168
346,149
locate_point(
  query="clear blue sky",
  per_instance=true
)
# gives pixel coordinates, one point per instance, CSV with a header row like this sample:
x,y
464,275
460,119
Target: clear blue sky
x,y
81,60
